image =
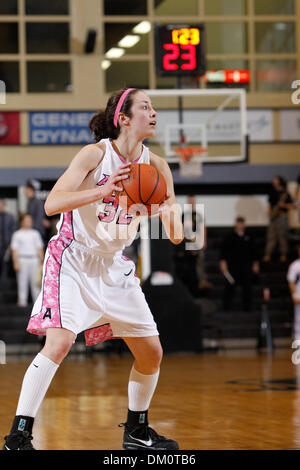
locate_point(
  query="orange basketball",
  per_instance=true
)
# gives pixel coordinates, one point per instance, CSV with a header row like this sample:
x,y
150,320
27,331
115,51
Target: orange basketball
x,y
144,187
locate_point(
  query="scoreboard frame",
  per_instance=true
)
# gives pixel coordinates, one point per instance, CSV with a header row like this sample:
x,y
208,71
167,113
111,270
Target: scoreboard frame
x,y
179,50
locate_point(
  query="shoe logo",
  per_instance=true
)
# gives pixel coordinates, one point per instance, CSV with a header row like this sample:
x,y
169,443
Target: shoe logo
x,y
146,443
21,425
35,366
7,448
127,274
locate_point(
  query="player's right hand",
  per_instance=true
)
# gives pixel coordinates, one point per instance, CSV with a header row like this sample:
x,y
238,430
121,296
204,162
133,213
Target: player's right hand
x,y
111,184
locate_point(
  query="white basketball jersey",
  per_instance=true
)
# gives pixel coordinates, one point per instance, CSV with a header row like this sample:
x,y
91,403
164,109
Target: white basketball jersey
x,y
103,225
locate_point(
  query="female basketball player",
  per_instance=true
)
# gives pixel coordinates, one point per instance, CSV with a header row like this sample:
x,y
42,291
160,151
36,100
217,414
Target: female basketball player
x,y
87,284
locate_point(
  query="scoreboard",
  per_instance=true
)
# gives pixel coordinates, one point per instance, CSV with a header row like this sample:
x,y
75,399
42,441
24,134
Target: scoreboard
x,y
179,50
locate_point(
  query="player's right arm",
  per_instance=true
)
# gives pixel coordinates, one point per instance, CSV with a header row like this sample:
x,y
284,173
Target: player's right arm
x,y
66,195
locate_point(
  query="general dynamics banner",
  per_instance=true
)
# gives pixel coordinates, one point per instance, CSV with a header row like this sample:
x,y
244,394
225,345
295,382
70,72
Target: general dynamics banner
x,y
71,128
60,127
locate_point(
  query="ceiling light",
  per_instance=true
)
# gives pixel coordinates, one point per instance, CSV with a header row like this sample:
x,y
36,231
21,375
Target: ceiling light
x,y
142,28
129,40
105,64
114,53
280,26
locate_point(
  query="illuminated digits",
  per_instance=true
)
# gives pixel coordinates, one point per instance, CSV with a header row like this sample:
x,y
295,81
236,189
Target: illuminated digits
x,y
172,56
175,39
185,36
194,36
190,57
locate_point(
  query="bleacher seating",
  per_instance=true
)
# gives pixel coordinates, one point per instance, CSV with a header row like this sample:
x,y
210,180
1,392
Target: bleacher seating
x,y
237,323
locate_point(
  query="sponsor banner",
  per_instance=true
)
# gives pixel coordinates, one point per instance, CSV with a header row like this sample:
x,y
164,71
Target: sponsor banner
x,y
60,127
224,127
289,125
71,128
9,128
227,76
260,125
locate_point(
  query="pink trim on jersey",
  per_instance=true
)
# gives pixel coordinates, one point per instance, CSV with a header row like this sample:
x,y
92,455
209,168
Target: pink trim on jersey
x,y
98,334
49,315
125,161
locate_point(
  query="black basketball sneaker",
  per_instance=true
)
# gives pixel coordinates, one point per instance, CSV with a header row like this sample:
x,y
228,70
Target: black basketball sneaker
x,y
143,437
19,440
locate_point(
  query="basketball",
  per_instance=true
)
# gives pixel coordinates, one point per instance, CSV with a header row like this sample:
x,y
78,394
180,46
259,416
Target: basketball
x,y
145,186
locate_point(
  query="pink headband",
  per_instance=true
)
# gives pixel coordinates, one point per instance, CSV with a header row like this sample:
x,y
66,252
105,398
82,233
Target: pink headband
x,y
120,104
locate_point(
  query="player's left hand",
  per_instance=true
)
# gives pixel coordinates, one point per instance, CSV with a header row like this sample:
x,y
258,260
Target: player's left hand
x,y
157,209
296,300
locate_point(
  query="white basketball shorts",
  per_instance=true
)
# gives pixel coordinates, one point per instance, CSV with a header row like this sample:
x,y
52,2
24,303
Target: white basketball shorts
x,y
97,294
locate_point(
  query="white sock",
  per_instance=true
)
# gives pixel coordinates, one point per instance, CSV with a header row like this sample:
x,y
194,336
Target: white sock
x,y
35,385
141,389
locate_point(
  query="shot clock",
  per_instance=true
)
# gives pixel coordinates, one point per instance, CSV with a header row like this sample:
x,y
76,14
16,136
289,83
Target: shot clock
x,y
179,50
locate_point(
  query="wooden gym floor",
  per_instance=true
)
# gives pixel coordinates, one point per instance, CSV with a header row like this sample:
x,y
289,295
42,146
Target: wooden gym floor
x,y
228,400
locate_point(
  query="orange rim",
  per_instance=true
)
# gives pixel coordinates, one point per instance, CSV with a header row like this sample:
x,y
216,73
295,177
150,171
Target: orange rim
x,y
187,153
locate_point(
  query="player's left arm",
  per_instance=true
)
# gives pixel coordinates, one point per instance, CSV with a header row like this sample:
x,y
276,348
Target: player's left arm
x,y
292,287
170,214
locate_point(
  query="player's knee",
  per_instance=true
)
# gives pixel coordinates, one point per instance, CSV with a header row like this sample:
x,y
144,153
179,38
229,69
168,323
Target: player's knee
x,y
156,356
64,347
149,361
57,350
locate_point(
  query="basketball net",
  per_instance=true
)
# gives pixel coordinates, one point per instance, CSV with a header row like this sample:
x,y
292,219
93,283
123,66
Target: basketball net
x,y
190,163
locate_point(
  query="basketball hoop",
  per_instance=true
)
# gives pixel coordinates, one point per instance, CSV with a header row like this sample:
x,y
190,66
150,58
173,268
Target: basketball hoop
x,y
190,163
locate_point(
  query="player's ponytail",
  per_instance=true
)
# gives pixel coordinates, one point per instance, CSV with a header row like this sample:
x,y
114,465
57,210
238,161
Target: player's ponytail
x,y
98,126
102,124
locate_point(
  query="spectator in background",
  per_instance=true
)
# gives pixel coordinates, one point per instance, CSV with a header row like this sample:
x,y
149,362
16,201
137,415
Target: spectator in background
x,y
35,207
296,199
293,278
7,228
28,254
190,264
280,202
297,192
238,262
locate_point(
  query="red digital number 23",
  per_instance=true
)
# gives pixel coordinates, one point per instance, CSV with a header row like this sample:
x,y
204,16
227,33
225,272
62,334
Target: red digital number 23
x,y
189,56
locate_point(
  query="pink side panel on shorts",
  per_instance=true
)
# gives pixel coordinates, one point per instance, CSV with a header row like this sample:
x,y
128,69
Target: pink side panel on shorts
x,y
49,315
98,334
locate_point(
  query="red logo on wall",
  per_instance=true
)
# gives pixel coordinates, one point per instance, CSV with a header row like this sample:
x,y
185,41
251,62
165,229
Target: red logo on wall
x,y
9,128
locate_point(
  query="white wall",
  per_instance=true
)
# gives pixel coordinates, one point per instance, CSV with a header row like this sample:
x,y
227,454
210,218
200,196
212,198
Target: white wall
x,y
221,210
